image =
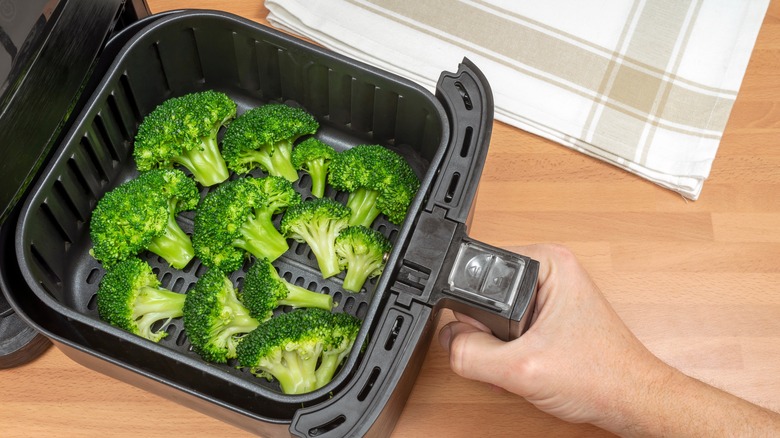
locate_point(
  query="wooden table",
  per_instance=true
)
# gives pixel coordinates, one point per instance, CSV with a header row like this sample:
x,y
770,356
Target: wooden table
x,y
699,282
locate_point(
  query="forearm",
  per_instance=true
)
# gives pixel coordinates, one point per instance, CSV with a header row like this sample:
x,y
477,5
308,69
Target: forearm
x,y
669,403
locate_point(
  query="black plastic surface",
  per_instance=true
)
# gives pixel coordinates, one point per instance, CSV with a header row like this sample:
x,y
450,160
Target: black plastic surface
x,y
468,100
41,95
20,343
430,273
187,52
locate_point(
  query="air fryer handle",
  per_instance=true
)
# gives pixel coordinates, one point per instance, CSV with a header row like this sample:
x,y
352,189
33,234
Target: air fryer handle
x,y
468,102
450,269
494,286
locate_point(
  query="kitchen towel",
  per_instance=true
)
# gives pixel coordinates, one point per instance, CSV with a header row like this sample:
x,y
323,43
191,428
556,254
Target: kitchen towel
x,y
647,85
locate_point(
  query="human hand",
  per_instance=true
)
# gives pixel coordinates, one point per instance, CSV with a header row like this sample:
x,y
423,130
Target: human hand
x,y
578,360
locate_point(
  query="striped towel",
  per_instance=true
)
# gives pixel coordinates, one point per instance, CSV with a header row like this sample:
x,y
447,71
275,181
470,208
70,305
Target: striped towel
x,y
647,85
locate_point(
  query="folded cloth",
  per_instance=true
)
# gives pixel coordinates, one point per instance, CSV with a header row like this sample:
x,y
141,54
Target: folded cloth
x,y
647,85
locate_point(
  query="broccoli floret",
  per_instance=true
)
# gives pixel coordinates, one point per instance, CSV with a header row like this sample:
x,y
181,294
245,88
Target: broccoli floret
x,y
313,156
183,130
237,218
289,347
378,181
130,297
141,215
214,318
361,251
264,290
317,222
263,137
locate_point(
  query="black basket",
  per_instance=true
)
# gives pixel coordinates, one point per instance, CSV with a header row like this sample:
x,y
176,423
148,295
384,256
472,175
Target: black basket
x,y
355,104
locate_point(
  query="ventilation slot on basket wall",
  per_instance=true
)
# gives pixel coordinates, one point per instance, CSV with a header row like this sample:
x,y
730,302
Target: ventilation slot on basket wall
x,y
327,427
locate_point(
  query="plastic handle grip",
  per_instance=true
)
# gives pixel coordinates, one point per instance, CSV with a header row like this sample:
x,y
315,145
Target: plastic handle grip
x,y
492,285
468,102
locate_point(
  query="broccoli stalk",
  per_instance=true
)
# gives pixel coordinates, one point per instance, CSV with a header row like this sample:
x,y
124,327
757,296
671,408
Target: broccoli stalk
x,y
362,203
290,346
296,372
317,222
130,297
361,251
263,137
214,317
378,180
236,219
345,328
205,162
257,235
313,156
183,130
173,245
264,290
141,215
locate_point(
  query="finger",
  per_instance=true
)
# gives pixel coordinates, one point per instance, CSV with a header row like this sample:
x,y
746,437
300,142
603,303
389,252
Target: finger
x,y
471,321
474,354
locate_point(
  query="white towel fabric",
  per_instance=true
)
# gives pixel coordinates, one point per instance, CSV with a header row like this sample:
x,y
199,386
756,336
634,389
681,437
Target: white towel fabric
x,y
647,85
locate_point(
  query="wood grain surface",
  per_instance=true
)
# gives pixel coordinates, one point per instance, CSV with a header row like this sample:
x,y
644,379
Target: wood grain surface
x,y
698,282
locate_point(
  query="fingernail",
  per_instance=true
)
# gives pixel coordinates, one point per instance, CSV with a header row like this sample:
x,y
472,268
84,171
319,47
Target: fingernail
x,y
444,337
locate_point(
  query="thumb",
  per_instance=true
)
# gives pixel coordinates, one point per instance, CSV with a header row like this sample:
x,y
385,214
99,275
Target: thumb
x,y
474,353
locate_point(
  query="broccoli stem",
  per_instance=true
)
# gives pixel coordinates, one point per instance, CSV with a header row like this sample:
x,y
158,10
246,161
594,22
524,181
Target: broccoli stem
x,y
260,238
359,270
318,171
362,202
154,304
206,163
322,244
301,297
293,375
240,323
281,163
174,245
327,369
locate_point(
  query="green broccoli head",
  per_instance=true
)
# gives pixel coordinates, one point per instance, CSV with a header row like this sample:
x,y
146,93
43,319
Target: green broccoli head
x,y
361,251
279,193
263,138
236,219
141,215
214,318
317,222
183,130
264,290
378,180
130,297
289,348
313,156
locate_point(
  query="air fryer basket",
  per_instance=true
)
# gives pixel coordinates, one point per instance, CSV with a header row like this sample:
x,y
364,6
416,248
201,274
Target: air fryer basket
x,y
355,104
